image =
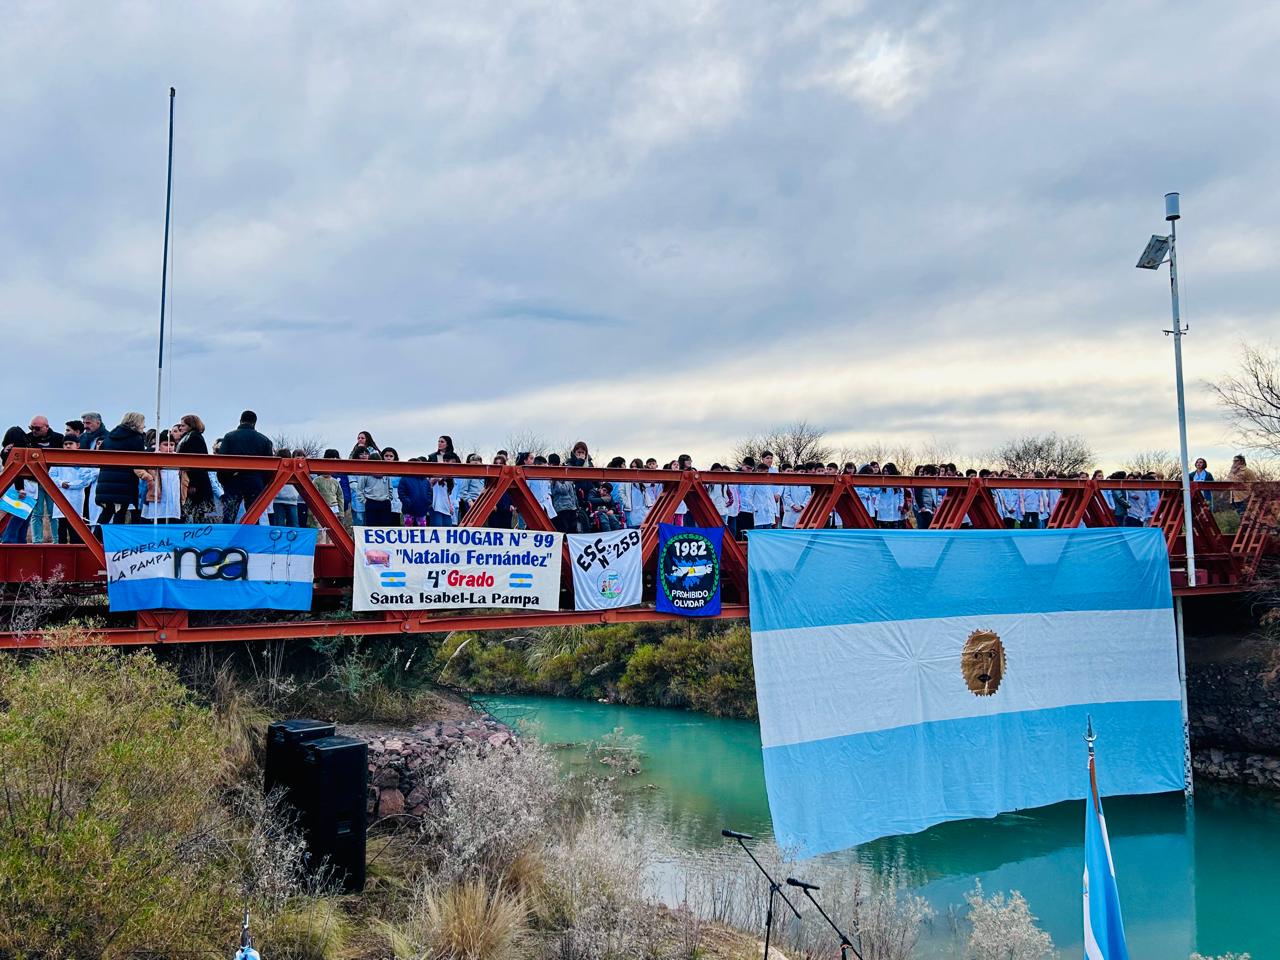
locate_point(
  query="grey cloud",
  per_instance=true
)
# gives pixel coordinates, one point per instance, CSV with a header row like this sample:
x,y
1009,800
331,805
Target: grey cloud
x,y
385,211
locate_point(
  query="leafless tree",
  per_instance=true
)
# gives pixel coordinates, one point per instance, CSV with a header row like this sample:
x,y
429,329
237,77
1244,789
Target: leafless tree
x,y
798,442
1069,454
528,441
1160,462
309,444
1251,396
904,456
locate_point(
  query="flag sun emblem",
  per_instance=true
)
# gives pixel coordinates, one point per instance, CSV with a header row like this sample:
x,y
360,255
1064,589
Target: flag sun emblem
x,y
982,662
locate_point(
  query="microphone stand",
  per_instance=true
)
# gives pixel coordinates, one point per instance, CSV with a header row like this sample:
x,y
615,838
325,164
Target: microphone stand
x,y
845,943
775,889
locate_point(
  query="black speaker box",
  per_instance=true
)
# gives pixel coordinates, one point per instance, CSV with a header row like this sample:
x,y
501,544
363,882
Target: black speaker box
x,y
330,797
284,753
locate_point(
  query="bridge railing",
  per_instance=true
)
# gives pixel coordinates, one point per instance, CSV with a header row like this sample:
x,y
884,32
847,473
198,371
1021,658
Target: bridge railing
x,y
1226,562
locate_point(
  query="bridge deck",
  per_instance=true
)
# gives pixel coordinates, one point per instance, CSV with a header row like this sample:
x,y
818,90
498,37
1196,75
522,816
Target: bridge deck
x,y
1226,564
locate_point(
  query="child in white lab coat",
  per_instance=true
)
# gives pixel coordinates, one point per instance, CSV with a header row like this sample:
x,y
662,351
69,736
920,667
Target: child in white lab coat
x,y
72,481
164,491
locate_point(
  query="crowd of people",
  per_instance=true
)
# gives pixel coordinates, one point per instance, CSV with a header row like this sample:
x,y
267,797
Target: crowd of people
x,y
113,494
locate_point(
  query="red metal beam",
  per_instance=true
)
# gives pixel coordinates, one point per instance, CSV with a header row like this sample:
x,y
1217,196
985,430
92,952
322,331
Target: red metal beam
x,y
1080,501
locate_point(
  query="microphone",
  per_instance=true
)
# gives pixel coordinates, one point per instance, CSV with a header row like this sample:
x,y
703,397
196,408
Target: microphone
x,y
793,882
734,835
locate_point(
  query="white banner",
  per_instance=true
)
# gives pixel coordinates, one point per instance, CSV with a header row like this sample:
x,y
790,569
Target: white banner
x,y
434,568
606,569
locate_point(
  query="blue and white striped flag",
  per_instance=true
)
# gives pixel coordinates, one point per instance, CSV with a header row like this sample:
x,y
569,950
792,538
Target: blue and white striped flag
x,y
1103,927
209,567
908,677
14,505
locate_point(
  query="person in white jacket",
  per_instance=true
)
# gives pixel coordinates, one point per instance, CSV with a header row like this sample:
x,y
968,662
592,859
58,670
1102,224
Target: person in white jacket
x,y
890,501
764,506
72,481
868,495
1009,502
794,500
1032,502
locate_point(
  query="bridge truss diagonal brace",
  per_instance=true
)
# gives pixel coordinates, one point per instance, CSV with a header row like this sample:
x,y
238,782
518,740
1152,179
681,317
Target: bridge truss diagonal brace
x,y
25,464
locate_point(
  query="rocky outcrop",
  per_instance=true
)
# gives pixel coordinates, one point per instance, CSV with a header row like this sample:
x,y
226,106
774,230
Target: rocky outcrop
x,y
1233,698
402,763
1254,769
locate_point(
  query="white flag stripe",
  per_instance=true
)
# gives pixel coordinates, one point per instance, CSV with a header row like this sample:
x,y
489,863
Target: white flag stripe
x,y
875,676
292,567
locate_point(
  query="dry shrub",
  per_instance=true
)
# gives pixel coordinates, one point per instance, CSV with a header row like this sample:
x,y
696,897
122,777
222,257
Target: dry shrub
x,y
107,833
241,721
491,807
1004,928
593,898
312,929
472,920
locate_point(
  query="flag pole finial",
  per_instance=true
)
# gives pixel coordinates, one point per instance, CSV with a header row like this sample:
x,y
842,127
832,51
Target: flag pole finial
x,y
1089,735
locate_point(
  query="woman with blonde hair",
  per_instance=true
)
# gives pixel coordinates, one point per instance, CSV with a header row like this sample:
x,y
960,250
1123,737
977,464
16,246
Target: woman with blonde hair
x,y
117,489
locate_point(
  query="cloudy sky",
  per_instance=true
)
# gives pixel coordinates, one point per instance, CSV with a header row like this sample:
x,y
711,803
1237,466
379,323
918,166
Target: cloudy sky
x,y
654,226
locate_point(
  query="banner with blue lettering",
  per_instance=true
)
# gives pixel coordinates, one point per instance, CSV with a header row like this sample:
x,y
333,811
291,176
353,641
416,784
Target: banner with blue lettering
x,y
208,567
444,568
688,573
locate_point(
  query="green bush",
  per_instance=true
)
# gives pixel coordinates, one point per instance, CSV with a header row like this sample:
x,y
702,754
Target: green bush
x,y
703,666
106,847
1228,521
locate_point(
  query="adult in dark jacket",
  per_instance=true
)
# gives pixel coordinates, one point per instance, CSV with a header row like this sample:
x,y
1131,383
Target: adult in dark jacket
x,y
117,489
94,430
242,486
189,432
415,500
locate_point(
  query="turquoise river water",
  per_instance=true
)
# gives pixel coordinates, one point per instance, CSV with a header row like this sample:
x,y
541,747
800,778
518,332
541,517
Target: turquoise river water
x,y
1207,881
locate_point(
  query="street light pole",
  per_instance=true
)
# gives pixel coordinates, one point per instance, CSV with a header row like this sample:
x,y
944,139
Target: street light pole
x,y
1172,214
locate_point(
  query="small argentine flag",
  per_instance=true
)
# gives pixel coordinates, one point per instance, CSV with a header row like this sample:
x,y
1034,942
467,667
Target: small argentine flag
x,y
520,581
1103,926
11,503
393,579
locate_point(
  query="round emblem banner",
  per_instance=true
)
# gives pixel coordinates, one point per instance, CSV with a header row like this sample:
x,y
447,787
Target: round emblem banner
x,y
688,571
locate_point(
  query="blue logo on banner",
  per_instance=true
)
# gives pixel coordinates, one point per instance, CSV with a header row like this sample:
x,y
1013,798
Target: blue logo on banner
x,y
392,579
209,567
689,570
520,581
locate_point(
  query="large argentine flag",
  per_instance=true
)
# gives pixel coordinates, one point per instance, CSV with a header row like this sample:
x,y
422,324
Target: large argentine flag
x,y
209,567
905,678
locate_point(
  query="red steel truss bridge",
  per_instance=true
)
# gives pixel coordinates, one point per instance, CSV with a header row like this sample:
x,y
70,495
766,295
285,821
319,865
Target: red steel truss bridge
x,y
1226,564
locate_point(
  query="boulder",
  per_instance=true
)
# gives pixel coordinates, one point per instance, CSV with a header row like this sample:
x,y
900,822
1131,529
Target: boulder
x,y
390,803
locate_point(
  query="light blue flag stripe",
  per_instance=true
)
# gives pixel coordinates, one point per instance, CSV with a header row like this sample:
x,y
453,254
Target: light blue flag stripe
x,y
252,538
1104,926
158,593
827,795
807,578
